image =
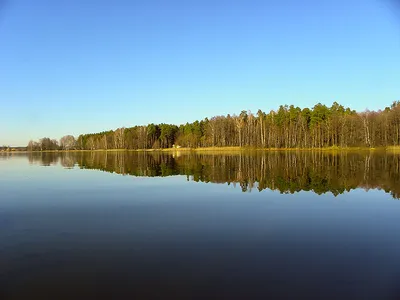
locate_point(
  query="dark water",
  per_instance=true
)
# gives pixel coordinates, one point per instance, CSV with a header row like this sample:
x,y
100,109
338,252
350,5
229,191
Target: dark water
x,y
250,226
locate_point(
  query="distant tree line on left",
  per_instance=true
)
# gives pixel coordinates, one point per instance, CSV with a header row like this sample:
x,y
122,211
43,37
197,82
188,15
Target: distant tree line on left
x,y
67,142
11,149
4,148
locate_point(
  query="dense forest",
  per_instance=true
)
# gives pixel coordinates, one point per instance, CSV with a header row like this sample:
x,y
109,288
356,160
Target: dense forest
x,y
283,171
287,127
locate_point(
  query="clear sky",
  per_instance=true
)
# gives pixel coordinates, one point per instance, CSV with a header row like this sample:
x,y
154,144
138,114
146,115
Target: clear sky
x,y
80,66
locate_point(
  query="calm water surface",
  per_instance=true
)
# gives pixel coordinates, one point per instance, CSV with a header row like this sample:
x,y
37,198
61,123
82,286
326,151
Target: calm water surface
x,y
162,226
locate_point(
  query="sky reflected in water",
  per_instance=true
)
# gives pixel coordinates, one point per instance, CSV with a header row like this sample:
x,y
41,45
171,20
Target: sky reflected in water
x,y
173,228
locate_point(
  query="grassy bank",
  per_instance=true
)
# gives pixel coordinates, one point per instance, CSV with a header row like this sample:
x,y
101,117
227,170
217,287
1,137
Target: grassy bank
x,y
393,148
234,149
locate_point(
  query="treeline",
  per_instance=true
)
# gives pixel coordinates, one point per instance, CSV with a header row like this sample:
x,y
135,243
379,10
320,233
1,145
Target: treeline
x,y
288,127
286,172
9,149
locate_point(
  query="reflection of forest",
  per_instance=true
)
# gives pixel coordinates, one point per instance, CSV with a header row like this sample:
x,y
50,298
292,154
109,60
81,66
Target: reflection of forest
x,y
286,172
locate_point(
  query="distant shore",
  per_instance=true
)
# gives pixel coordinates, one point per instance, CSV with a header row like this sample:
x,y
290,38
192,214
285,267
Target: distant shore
x,y
218,149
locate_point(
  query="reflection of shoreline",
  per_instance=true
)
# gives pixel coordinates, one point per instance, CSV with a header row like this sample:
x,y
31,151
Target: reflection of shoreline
x,y
176,154
287,172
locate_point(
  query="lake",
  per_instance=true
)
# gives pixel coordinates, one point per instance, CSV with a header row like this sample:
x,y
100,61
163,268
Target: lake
x,y
261,225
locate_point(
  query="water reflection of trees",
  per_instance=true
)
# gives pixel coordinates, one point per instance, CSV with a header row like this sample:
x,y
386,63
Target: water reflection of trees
x,y
43,158
287,172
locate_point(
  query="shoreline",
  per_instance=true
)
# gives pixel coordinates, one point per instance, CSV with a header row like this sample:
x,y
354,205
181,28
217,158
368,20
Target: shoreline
x,y
222,149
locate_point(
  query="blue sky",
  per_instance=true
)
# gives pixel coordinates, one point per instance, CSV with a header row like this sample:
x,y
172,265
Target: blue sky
x,y
71,67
